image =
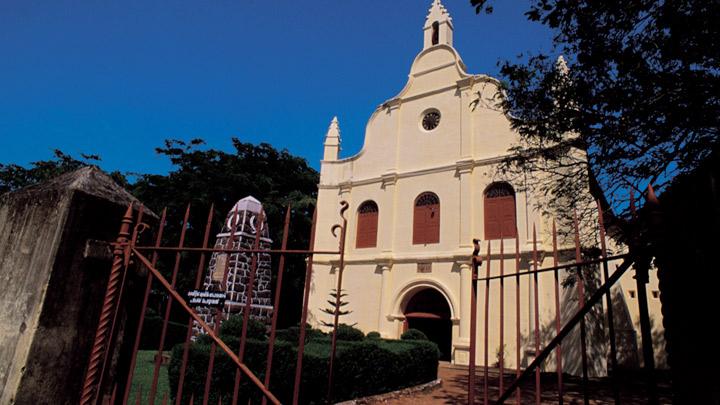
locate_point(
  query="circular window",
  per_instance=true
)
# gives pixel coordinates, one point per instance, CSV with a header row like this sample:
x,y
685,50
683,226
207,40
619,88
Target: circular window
x,y
431,120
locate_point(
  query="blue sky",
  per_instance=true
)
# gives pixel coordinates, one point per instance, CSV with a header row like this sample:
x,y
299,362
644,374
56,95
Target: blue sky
x,y
116,78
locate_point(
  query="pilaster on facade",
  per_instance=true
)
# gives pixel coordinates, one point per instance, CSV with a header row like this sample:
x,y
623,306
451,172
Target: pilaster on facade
x,y
388,179
465,291
384,326
464,172
344,187
464,166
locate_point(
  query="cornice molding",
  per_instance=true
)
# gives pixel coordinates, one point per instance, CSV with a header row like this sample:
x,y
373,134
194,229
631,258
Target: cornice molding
x,y
463,164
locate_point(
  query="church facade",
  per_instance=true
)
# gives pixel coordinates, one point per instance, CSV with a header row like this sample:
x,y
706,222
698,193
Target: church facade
x,y
422,187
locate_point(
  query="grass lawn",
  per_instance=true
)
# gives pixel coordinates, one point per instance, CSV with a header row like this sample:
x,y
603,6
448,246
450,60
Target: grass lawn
x,y
142,378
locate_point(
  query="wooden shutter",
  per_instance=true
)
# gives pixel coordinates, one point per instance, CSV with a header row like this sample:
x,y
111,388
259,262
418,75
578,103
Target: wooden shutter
x,y
426,219
508,222
367,226
500,215
492,219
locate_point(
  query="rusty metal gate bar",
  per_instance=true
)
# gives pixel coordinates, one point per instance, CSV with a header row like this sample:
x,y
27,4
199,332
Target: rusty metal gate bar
x,y
198,281
303,316
141,319
276,303
558,351
608,302
580,280
635,257
168,308
338,294
125,248
569,326
218,311
101,342
205,327
538,386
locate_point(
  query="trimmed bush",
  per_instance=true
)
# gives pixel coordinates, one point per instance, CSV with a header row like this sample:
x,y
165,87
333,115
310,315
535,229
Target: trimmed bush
x,y
362,368
292,334
373,335
413,334
233,327
349,333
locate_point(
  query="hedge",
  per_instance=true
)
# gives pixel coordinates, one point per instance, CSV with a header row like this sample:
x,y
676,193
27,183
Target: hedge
x,y
363,368
413,334
350,333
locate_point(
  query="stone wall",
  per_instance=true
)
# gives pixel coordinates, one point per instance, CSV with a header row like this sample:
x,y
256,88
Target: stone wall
x,y
51,292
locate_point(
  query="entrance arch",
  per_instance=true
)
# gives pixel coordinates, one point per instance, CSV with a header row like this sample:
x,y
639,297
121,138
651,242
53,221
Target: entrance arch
x,y
427,310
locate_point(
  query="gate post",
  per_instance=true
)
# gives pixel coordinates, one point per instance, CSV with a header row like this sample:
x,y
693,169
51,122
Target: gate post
x,y
100,344
476,261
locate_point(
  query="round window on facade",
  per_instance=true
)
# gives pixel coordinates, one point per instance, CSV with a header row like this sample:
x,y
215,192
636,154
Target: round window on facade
x,y
431,120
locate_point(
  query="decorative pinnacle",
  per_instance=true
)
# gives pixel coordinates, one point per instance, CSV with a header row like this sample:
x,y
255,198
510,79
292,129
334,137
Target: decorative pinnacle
x,y
334,129
438,13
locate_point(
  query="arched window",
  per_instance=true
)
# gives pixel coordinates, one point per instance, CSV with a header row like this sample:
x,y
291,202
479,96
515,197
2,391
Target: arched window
x,y
426,219
435,33
367,225
500,218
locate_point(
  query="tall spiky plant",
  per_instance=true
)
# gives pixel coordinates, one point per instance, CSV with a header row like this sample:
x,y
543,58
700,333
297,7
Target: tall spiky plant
x,y
336,307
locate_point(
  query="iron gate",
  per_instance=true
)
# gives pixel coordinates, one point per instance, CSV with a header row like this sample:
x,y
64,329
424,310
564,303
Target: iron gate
x,y
637,258
127,250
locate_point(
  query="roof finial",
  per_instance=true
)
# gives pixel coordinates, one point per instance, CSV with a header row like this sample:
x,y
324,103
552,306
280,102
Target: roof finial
x,y
334,128
332,140
438,13
438,26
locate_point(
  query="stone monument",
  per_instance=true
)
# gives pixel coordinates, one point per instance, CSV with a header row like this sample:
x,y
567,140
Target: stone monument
x,y
235,267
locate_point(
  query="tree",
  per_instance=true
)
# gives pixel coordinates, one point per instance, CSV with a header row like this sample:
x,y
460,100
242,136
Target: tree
x,y
336,307
208,176
203,177
13,176
638,91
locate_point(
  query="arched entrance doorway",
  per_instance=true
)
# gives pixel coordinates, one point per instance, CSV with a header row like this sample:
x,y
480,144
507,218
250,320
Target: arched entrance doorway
x,y
428,311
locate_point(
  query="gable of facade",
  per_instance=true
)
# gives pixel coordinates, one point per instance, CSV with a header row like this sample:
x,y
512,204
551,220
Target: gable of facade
x,y
421,188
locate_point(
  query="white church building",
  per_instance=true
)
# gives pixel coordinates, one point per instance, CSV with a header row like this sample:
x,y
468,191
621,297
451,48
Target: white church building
x,y
422,187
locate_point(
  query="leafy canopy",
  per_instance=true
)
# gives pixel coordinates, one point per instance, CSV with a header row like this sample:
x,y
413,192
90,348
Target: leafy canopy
x,y
640,94
14,176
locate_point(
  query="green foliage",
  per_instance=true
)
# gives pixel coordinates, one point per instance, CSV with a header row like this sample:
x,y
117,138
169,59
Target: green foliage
x,y
373,335
232,327
152,327
13,177
202,177
292,334
349,333
363,368
143,377
641,92
413,334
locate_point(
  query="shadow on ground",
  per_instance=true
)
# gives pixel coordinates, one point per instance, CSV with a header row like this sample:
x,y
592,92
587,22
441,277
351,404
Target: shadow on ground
x,y
600,390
